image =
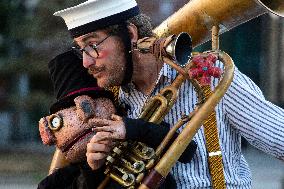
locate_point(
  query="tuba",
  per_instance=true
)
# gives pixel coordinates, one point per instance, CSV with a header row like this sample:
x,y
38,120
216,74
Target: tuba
x,y
201,19
198,17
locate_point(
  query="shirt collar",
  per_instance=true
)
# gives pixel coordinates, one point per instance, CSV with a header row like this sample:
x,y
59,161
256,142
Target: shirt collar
x,y
167,72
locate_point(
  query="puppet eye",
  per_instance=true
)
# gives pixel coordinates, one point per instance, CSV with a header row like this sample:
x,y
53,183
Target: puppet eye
x,y
55,122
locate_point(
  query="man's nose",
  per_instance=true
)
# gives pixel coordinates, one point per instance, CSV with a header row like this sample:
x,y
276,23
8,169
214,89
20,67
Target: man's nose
x,y
88,60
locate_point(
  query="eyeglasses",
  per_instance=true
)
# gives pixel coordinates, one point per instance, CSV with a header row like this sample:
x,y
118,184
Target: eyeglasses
x,y
90,50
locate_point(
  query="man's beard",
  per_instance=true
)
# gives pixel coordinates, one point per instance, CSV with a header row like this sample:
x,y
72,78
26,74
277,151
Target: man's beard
x,y
112,77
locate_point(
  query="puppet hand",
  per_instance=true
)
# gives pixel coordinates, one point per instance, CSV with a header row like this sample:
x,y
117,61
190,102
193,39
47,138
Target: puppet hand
x,y
110,129
97,151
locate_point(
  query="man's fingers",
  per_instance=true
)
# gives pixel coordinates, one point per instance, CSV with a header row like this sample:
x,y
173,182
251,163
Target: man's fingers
x,y
96,156
108,134
99,122
96,160
104,136
96,147
104,128
100,136
108,142
116,117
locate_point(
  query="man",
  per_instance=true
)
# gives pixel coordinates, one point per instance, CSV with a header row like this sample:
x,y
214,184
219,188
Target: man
x,y
106,33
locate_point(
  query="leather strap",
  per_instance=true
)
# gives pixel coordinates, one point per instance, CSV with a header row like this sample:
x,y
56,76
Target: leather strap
x,y
213,147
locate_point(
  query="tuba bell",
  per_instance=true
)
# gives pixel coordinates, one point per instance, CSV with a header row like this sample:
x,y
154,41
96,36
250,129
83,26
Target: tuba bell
x,y
197,17
178,48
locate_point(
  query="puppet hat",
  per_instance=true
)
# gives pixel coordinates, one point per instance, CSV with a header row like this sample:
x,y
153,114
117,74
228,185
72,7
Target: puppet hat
x,y
97,14
70,79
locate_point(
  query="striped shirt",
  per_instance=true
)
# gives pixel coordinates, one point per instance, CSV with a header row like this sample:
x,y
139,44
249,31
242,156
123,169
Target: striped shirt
x,y
243,111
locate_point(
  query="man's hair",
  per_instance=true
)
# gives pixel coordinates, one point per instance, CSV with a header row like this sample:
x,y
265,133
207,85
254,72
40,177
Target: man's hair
x,y
144,27
141,21
143,24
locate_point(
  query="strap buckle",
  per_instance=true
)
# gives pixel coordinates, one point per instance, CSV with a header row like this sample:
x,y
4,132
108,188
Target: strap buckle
x,y
217,153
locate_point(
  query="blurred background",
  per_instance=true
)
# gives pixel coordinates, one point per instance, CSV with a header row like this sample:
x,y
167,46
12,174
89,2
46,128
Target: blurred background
x,y
30,36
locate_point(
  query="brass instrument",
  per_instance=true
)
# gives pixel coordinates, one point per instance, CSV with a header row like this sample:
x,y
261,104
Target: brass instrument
x,y
197,18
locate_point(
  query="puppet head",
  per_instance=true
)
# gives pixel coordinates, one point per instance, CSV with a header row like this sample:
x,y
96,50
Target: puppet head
x,y
78,101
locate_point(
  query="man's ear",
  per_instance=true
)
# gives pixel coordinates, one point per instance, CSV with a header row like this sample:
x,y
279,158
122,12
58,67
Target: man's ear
x,y
133,32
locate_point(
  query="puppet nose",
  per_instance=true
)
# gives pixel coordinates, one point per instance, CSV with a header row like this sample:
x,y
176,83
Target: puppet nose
x,y
46,135
85,107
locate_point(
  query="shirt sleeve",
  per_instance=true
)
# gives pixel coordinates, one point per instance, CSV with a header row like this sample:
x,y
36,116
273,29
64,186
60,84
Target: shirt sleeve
x,y
153,134
259,121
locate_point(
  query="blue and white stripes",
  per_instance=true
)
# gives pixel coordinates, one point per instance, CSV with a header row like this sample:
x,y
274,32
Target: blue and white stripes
x,y
243,111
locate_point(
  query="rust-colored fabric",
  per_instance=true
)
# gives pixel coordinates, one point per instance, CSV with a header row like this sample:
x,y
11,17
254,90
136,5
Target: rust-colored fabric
x,y
115,91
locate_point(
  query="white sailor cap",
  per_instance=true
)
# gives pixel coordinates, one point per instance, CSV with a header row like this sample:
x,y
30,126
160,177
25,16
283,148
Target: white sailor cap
x,y
97,14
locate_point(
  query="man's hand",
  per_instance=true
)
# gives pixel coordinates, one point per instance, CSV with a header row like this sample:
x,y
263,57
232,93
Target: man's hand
x,y
97,151
113,129
102,142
